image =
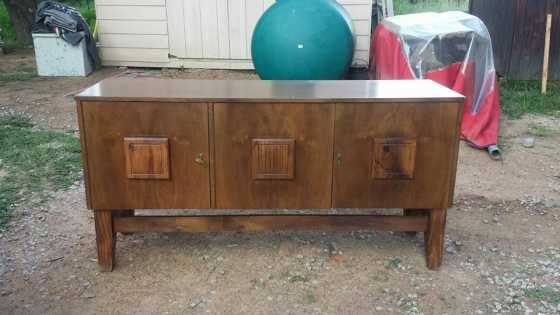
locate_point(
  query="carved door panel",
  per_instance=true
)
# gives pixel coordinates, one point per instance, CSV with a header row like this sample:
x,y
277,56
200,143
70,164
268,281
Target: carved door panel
x,y
275,155
395,155
147,155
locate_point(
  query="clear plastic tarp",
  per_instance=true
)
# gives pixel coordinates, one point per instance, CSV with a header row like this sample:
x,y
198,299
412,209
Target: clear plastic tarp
x,y
439,46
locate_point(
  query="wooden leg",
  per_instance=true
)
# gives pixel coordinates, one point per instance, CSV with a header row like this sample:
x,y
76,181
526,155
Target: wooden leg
x,y
414,213
435,237
105,237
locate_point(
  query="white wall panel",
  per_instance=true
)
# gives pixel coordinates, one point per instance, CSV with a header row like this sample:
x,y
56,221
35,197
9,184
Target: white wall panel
x,y
131,27
193,28
209,28
359,11
362,27
237,28
176,25
131,2
201,30
223,29
361,42
134,54
133,41
144,13
254,9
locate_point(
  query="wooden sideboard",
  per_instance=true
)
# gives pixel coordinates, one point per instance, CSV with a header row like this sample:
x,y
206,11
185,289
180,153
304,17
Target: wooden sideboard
x,y
252,146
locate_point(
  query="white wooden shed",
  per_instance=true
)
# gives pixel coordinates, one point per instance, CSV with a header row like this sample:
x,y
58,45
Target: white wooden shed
x,y
214,34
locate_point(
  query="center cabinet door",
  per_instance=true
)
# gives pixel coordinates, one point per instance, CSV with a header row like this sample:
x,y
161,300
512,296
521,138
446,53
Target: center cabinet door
x,y
147,155
275,155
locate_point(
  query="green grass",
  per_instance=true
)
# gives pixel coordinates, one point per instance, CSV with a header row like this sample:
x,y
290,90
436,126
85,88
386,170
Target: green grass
x,y
544,294
393,263
7,34
20,73
34,163
310,298
521,97
542,131
406,7
297,278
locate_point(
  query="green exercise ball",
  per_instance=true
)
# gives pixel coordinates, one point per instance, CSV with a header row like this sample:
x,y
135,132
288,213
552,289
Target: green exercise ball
x,y
303,40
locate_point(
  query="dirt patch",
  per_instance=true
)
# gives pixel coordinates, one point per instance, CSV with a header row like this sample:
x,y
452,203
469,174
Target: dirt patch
x,y
495,251
47,99
17,61
523,173
502,249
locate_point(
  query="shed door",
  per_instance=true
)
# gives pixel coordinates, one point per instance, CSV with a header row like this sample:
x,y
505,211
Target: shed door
x,y
213,29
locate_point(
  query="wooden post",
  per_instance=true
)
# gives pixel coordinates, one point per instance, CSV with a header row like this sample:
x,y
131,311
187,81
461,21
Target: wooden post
x,y
105,237
546,54
389,8
435,237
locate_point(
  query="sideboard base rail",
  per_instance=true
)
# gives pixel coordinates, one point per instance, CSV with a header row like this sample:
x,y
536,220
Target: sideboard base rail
x,y
429,221
259,223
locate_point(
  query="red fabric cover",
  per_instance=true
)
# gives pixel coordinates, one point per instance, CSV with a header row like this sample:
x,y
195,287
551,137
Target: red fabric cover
x,y
389,63
387,57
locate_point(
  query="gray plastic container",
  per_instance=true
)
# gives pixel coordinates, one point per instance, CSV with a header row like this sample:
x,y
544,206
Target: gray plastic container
x,y
57,58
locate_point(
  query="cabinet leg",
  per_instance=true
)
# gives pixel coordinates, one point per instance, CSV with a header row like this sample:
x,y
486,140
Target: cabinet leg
x,y
413,213
434,237
105,237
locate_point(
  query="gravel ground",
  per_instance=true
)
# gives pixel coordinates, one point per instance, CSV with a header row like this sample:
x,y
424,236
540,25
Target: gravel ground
x,y
502,252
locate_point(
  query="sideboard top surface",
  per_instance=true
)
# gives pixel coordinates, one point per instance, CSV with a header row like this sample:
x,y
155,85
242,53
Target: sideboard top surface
x,y
178,90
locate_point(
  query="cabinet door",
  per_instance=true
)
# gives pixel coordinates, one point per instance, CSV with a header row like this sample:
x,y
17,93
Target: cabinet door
x,y
273,155
399,155
147,155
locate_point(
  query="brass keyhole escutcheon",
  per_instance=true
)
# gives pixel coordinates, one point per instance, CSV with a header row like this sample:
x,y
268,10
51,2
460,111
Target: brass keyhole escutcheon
x,y
200,160
338,159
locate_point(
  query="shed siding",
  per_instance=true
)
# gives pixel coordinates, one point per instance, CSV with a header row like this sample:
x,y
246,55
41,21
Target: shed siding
x,y
131,27
132,31
134,54
134,41
136,32
131,2
126,13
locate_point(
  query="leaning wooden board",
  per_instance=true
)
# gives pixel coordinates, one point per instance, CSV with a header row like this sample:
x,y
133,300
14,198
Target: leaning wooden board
x,y
153,143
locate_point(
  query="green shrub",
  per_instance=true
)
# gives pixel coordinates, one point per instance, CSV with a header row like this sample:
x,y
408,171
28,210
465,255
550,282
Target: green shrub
x,y
407,7
7,34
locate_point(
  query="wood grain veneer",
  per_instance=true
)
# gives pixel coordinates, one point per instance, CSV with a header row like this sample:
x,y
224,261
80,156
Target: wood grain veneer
x,y
176,144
